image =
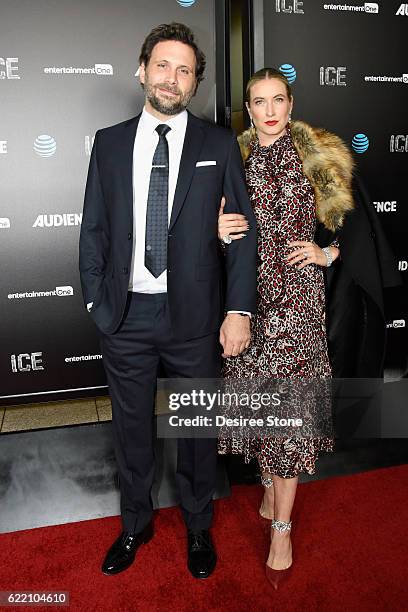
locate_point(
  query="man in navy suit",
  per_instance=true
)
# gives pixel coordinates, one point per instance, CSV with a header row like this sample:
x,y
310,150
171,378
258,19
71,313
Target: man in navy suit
x,y
152,277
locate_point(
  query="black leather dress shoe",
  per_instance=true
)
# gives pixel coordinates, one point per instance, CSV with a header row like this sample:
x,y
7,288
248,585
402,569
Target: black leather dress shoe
x,y
123,551
201,554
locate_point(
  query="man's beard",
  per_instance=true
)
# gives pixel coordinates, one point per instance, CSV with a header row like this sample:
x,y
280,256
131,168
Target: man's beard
x,y
167,106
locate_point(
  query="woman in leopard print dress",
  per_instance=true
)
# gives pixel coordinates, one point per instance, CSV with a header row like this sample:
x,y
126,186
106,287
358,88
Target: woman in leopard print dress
x,y
288,330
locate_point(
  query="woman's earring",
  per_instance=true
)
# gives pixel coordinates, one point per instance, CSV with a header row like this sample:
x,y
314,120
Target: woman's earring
x,y
252,130
290,117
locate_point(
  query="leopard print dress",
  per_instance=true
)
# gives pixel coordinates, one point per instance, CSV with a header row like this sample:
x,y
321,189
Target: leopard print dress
x,y
288,331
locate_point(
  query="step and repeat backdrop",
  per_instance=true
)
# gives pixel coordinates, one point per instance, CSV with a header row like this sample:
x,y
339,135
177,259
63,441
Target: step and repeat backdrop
x,y
348,69
67,68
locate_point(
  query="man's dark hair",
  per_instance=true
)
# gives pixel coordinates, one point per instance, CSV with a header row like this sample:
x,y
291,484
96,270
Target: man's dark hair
x,y
173,31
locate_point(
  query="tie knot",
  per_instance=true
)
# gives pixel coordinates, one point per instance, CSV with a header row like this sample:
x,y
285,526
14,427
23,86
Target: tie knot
x,y
163,129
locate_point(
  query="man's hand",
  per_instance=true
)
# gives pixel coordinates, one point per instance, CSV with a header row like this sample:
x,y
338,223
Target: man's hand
x,y
235,334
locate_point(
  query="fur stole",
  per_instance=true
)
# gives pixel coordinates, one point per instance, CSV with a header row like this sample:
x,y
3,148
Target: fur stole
x,y
327,163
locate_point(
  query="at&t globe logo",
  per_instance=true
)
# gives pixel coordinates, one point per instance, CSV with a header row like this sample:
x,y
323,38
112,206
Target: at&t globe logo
x,y
289,72
186,3
45,145
360,143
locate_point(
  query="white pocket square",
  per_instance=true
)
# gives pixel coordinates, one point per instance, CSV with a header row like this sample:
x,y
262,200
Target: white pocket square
x,y
206,163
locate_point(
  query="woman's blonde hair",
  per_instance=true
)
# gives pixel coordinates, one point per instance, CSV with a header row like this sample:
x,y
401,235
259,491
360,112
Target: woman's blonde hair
x,y
267,73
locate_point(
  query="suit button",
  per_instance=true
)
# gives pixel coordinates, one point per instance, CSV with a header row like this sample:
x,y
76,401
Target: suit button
x,y
129,236
125,270
372,234
170,235
168,271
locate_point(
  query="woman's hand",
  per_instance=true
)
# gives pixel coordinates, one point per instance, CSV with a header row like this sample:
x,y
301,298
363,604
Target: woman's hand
x,y
231,222
309,252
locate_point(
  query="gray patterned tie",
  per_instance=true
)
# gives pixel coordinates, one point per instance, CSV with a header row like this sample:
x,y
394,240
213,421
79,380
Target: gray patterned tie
x,y
158,206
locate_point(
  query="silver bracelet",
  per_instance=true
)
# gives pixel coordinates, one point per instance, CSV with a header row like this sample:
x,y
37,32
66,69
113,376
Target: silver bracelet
x,y
281,525
329,256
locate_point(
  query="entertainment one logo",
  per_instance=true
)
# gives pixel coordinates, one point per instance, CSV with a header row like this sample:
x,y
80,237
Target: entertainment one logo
x,y
76,358
367,7
98,69
399,143
386,206
26,362
3,147
386,79
58,291
330,75
4,223
289,6
396,324
58,220
10,68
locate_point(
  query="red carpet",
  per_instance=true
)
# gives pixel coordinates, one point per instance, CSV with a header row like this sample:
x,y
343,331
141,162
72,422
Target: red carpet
x,y
350,538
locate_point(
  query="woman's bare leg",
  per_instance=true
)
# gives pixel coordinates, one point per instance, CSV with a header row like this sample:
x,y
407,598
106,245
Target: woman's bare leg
x,y
280,553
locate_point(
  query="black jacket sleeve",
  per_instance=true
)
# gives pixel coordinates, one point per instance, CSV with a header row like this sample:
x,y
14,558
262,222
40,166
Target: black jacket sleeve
x,y
240,255
94,239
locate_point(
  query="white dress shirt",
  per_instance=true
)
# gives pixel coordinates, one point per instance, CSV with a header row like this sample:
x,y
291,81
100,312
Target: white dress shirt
x,y
146,140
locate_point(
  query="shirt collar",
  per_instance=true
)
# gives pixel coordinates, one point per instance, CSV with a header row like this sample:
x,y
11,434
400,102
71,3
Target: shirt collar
x,y
149,123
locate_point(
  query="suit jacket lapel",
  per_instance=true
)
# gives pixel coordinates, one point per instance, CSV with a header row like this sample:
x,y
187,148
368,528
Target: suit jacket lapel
x,y
193,142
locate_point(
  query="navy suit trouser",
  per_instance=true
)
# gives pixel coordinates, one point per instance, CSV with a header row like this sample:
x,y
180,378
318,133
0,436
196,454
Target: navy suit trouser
x,y
132,357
